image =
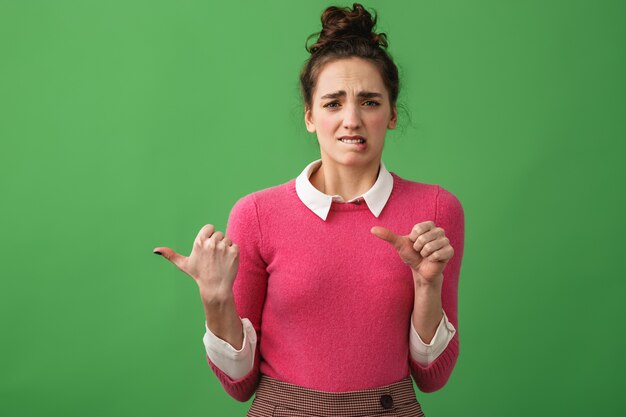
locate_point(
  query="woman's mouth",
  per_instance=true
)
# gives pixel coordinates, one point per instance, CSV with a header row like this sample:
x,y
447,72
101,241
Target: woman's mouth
x,y
352,139
355,142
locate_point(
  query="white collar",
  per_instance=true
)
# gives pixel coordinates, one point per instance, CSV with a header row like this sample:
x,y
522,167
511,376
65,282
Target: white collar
x,y
319,203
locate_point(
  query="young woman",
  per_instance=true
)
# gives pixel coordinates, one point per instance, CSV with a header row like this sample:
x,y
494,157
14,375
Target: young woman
x,y
329,291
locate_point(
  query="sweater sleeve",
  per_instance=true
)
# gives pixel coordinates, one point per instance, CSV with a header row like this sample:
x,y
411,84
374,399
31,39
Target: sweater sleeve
x,y
233,362
249,289
449,216
425,353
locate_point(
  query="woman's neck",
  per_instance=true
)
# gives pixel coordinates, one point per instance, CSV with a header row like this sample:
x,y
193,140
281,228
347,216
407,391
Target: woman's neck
x,y
348,181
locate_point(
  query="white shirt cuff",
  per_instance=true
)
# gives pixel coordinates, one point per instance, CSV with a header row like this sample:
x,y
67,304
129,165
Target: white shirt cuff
x,y
234,363
423,353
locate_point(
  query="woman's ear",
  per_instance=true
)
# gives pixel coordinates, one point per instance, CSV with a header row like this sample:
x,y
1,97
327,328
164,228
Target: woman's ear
x,y
308,119
394,118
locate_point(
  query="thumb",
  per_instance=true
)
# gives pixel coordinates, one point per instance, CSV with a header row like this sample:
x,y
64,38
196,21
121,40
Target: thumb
x,y
386,234
175,258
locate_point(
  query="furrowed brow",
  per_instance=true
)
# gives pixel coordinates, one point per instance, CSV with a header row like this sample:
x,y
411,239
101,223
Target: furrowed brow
x,y
336,94
370,94
342,93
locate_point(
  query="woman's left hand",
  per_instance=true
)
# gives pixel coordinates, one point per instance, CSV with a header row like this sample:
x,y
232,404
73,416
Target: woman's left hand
x,y
426,250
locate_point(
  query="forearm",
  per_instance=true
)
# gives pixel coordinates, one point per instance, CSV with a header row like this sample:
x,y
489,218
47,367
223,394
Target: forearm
x,y
427,309
222,318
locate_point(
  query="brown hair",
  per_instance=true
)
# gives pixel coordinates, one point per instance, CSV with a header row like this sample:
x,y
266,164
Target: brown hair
x,y
348,33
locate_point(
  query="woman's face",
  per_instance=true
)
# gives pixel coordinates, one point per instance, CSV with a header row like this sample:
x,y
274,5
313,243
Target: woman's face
x,y
350,100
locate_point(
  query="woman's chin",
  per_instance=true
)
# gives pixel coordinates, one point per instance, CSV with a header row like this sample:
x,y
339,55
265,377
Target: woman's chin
x,y
357,160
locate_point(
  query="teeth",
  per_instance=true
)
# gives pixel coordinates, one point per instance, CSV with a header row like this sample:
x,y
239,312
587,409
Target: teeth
x,y
352,140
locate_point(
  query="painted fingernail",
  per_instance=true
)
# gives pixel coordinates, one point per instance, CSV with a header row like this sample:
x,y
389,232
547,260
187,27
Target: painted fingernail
x,y
156,252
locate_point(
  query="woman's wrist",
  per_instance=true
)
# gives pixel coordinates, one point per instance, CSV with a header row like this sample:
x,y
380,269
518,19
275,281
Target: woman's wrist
x,y
222,318
427,285
216,298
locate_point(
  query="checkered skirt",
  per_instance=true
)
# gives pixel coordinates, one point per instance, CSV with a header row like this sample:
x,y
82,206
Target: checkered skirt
x,y
280,399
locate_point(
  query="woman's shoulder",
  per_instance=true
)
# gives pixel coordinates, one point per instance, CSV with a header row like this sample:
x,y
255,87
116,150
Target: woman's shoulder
x,y
436,193
271,195
411,185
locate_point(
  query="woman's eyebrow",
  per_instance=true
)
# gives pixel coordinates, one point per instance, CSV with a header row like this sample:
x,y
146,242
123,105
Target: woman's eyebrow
x,y
361,94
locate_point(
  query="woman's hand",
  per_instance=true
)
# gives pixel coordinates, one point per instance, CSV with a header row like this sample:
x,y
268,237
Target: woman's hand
x,y
426,250
213,262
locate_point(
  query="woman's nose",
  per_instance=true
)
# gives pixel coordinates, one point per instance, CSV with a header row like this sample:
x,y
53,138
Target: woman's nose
x,y
352,117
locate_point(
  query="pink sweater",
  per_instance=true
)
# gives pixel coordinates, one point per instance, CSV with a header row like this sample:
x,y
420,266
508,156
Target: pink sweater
x,y
306,284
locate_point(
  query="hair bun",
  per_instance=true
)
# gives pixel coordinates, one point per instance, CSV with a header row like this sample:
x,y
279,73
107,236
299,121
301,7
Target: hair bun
x,y
344,25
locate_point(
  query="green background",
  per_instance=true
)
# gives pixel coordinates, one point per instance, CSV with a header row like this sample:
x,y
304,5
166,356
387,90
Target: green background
x,y
127,125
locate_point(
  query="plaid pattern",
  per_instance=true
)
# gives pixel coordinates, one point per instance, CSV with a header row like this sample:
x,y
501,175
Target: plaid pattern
x,y
280,399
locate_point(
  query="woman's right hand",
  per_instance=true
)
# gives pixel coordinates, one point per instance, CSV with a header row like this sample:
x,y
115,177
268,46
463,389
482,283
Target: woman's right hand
x,y
213,262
